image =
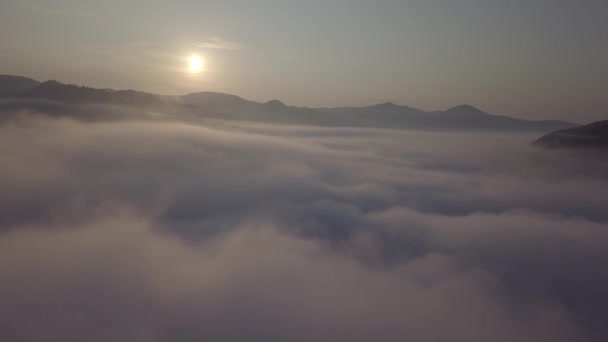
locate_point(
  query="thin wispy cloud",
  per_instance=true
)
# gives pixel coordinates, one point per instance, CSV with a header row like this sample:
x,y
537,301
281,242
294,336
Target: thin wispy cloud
x,y
218,43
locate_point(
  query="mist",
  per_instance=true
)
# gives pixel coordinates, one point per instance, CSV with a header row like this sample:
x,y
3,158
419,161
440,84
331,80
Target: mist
x,y
142,226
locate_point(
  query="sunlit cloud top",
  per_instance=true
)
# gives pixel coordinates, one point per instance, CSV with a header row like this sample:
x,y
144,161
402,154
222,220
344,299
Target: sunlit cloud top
x,y
217,43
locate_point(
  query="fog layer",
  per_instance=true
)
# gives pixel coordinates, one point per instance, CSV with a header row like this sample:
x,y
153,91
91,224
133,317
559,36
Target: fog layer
x,y
155,229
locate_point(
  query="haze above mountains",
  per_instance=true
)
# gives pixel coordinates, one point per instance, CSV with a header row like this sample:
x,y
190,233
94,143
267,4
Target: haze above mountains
x,y
225,106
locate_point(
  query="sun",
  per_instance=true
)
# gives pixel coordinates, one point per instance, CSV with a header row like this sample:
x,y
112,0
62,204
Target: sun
x,y
195,64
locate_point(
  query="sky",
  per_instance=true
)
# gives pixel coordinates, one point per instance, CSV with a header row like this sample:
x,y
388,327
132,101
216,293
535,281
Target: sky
x,y
531,59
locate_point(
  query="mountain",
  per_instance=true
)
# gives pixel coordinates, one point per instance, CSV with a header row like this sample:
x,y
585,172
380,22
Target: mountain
x,y
467,116
13,85
216,100
274,106
225,106
463,117
57,91
231,107
592,136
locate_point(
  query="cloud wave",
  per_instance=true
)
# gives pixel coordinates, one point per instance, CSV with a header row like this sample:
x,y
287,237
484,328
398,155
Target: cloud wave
x,y
136,228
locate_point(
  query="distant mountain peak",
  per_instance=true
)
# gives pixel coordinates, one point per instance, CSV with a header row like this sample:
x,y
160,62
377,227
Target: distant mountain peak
x,y
386,105
73,93
274,106
14,77
463,108
13,85
594,135
274,103
211,95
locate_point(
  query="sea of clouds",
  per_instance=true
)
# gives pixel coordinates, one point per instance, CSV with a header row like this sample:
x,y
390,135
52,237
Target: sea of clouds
x,y
142,227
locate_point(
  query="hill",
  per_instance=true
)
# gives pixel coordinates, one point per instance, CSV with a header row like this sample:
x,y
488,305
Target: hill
x,y
14,85
231,107
592,136
463,117
57,91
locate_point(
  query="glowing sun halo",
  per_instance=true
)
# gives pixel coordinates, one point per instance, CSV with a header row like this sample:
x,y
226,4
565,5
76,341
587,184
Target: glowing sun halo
x,y
195,64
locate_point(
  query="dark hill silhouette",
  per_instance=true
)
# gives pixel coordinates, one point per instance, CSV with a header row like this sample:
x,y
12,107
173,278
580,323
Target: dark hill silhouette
x,y
14,85
384,115
274,105
57,91
469,117
216,100
225,106
463,117
594,136
385,106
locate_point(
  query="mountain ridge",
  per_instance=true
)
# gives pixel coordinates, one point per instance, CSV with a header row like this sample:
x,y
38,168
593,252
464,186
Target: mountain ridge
x,y
208,104
12,85
591,136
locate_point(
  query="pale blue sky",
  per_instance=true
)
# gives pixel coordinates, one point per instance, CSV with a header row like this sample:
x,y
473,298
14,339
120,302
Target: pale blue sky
x,y
534,59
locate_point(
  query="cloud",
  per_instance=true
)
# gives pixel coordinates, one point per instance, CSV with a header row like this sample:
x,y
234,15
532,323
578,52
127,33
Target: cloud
x,y
116,280
217,43
140,228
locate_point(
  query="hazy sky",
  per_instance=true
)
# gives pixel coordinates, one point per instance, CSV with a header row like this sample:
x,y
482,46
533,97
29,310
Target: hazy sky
x,y
526,58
